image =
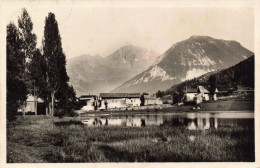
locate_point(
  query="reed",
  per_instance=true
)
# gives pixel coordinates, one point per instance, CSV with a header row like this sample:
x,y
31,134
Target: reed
x,y
39,139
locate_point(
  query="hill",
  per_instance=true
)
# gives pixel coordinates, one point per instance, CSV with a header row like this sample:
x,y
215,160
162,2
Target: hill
x,y
242,74
186,60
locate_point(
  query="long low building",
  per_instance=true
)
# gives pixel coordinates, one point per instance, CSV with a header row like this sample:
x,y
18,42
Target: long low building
x,y
119,100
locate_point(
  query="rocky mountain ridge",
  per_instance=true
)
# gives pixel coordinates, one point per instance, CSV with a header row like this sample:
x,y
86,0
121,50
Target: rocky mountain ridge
x,y
186,60
95,74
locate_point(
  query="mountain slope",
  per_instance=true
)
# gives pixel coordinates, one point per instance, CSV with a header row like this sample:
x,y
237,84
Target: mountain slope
x,y
186,60
241,74
94,74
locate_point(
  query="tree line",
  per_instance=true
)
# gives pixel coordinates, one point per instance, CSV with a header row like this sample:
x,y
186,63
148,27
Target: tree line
x,y
241,74
40,72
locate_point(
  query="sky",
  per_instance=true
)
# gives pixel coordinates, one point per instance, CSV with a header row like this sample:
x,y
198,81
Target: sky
x,y
102,30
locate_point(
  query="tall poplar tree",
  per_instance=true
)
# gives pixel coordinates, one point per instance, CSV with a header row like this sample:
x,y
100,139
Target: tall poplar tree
x,y
28,47
37,73
16,88
56,75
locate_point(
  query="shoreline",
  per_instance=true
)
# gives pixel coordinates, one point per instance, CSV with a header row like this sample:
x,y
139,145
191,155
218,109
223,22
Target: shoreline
x,y
158,112
219,106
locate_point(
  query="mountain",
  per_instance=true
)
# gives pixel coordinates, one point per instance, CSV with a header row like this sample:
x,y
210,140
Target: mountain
x,y
241,74
186,60
95,74
131,59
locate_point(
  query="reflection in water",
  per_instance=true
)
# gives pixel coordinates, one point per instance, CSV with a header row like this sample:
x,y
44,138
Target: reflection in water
x,y
192,121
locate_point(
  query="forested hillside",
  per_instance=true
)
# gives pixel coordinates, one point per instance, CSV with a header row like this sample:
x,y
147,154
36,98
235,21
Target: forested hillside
x,y
242,74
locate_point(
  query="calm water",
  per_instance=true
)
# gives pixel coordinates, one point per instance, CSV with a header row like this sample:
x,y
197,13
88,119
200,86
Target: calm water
x,y
193,121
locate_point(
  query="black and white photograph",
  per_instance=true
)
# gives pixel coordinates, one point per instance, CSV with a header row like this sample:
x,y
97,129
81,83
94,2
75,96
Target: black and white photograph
x,y
125,81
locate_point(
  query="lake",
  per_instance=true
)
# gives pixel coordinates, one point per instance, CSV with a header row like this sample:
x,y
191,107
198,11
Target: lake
x,y
192,121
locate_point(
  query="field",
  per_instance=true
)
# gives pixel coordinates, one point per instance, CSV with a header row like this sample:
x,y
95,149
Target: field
x,y
38,139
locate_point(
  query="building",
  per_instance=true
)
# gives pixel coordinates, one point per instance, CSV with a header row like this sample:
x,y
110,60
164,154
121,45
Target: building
x,y
90,102
191,94
167,99
119,100
87,98
30,106
204,92
200,94
152,100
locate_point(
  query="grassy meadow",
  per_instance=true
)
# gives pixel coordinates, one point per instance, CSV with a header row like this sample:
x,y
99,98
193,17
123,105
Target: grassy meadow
x,y
35,139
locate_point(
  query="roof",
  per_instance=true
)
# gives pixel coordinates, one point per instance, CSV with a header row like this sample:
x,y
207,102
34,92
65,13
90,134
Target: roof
x,y
167,97
245,89
191,90
30,98
87,96
223,91
120,95
150,96
202,89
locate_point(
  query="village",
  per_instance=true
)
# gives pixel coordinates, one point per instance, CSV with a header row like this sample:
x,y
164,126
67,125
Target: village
x,y
137,101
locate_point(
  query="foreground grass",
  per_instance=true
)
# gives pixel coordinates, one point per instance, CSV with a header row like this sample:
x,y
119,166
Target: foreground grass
x,y
37,139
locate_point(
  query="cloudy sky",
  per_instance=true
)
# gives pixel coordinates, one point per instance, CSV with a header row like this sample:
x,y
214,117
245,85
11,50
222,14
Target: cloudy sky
x,y
102,30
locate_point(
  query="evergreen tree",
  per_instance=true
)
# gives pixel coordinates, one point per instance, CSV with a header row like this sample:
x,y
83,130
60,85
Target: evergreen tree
x,y
56,75
159,94
175,98
71,99
212,85
37,73
142,99
67,99
28,46
16,88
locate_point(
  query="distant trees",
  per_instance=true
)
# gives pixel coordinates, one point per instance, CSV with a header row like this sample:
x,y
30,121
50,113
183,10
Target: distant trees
x,y
16,87
40,73
160,94
241,74
177,97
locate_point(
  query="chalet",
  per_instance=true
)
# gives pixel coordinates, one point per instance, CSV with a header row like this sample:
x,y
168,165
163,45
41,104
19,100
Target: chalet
x,y
30,107
152,100
191,94
204,92
119,100
200,94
